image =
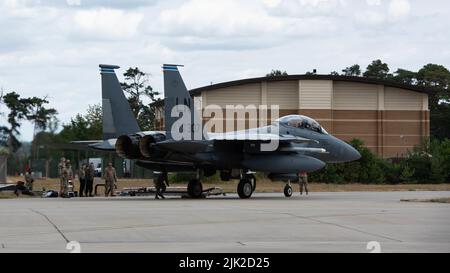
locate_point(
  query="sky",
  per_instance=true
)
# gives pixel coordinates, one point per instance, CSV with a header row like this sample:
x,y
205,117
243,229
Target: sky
x,y
52,48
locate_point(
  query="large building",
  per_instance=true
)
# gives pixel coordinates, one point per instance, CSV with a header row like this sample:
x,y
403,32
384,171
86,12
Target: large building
x,y
390,118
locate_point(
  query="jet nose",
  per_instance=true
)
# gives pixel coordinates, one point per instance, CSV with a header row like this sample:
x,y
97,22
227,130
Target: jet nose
x,y
351,154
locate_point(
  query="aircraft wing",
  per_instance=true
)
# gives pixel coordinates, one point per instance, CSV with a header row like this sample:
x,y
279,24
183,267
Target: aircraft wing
x,y
198,146
102,145
264,137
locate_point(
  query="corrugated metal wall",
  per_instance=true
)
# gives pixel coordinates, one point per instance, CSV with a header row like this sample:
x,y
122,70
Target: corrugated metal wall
x,y
355,96
315,94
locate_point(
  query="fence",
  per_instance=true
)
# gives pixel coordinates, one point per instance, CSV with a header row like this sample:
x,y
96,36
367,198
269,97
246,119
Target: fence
x,y
3,169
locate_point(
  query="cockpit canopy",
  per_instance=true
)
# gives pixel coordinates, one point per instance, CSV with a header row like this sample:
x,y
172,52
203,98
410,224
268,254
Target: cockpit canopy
x,y
302,122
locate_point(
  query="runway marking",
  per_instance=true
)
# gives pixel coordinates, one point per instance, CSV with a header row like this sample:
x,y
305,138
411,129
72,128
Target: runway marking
x,y
342,226
209,222
53,224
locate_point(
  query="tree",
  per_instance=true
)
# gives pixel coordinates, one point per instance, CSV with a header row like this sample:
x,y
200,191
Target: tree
x,y
84,127
3,129
405,76
377,70
354,70
437,77
137,89
440,121
18,110
276,73
38,114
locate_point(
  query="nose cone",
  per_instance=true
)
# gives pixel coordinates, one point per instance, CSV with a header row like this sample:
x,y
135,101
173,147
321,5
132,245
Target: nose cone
x,y
350,154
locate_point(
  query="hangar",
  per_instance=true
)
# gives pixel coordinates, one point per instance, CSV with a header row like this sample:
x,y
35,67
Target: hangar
x,y
389,117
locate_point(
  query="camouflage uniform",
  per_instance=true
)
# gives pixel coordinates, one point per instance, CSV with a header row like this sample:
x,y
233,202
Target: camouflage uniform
x,y
65,181
69,175
89,172
110,180
82,178
160,181
61,166
303,182
29,181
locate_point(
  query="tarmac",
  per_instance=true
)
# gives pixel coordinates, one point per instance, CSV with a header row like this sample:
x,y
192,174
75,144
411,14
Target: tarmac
x,y
320,222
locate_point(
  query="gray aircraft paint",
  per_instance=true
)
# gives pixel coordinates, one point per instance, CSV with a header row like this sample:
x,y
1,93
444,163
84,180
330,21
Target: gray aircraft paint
x,y
300,149
176,96
118,119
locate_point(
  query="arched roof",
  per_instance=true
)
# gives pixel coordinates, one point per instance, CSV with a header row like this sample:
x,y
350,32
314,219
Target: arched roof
x,y
387,83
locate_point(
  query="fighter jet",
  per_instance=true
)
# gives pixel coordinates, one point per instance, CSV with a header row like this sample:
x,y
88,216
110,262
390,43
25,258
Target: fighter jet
x,y
302,144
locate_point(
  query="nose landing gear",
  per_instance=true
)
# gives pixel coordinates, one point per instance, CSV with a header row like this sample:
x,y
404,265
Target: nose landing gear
x,y
246,186
288,190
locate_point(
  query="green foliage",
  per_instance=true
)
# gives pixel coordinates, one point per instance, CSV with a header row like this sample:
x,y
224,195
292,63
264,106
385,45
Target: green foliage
x,y
437,77
21,109
181,177
366,170
406,173
405,76
276,73
377,70
330,174
354,70
426,163
3,151
432,76
440,121
137,88
84,127
185,177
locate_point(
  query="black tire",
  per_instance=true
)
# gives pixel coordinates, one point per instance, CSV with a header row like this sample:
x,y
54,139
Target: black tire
x,y
195,188
288,191
252,179
245,188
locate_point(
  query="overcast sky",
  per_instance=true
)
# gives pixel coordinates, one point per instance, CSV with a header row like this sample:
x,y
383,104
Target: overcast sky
x,y
53,47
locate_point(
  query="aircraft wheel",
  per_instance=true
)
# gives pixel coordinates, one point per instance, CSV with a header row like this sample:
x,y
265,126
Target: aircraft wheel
x,y
252,179
195,188
288,191
245,188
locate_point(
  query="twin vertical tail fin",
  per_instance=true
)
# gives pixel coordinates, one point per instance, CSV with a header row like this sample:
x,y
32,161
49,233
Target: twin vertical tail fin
x,y
182,120
118,119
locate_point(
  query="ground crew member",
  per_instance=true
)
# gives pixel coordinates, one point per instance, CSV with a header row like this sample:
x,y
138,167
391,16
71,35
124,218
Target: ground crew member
x,y
82,178
61,166
110,179
29,180
89,174
303,182
160,181
70,175
21,189
65,179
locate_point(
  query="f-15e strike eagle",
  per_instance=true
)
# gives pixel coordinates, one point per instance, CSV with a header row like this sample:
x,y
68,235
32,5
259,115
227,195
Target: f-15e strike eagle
x,y
302,145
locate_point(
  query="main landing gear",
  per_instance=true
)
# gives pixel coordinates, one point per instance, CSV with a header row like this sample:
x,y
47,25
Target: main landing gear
x,y
288,189
246,186
195,187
